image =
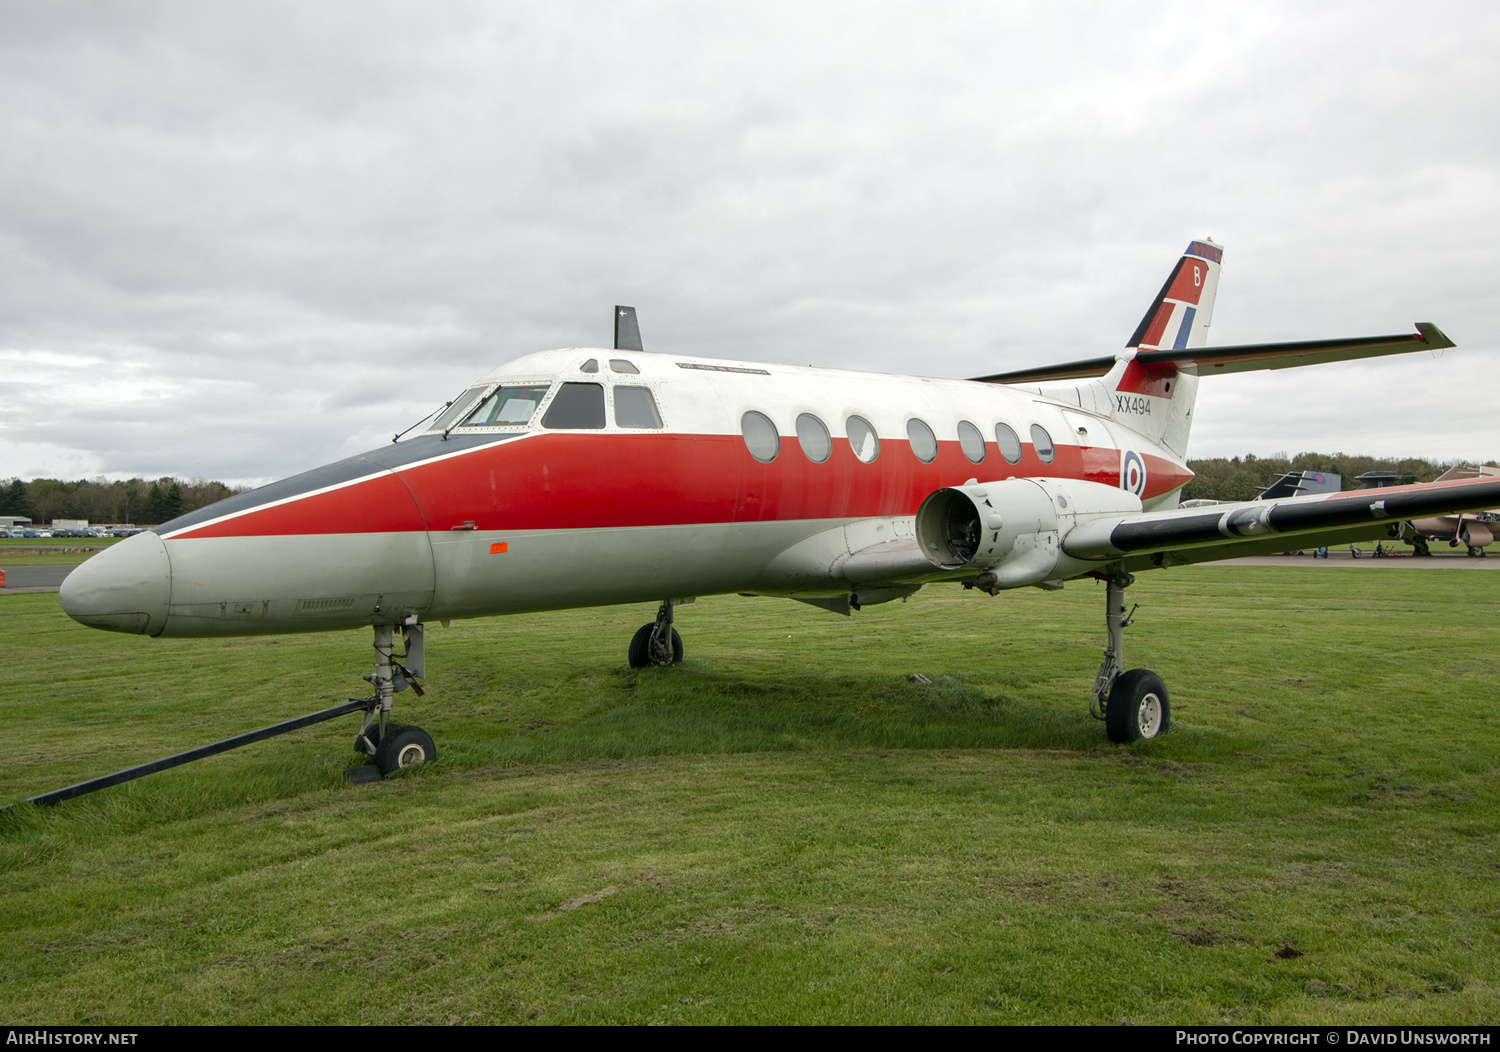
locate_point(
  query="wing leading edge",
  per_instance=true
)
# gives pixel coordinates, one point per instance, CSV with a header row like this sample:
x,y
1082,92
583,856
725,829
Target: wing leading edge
x,y
1228,530
1242,358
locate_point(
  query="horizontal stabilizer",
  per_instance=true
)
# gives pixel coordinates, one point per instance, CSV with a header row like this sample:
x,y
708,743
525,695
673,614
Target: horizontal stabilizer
x,y
1212,361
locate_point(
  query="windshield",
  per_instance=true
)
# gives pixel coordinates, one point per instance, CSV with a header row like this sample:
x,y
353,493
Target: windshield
x,y
507,407
457,408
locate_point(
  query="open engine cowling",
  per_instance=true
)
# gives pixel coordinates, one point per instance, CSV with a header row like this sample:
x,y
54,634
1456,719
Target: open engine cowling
x,y
1013,529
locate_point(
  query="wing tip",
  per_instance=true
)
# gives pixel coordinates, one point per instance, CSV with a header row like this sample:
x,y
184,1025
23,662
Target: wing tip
x,y
1434,337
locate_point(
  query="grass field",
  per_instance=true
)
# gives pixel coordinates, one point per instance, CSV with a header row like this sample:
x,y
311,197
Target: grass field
x,y
785,828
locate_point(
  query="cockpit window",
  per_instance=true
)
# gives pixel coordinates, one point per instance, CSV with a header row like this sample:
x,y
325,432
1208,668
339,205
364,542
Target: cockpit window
x,y
620,365
507,407
590,366
577,406
458,407
634,407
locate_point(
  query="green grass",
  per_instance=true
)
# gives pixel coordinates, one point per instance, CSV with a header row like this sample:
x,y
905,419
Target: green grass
x,y
784,828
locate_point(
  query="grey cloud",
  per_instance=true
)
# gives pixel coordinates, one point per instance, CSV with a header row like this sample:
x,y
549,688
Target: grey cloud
x,y
341,214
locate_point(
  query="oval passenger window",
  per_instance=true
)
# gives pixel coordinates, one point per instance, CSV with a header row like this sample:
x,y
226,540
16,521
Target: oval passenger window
x,y
1009,443
1042,443
923,441
971,441
813,435
761,437
862,439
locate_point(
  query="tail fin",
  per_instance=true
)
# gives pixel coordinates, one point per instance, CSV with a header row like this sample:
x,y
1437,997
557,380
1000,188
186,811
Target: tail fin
x,y
1157,399
1184,307
1151,385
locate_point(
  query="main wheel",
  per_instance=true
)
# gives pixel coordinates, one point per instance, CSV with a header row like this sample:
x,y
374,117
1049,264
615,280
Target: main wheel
x,y
641,651
1137,709
402,747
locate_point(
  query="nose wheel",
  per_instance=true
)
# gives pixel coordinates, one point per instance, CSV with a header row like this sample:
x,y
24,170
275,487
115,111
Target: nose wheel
x,y
393,746
402,747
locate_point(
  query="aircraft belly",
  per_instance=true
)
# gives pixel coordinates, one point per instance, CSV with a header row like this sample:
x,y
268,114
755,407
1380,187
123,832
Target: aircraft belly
x,y
485,572
296,583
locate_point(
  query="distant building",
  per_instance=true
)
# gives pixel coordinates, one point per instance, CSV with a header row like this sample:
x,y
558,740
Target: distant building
x,y
9,521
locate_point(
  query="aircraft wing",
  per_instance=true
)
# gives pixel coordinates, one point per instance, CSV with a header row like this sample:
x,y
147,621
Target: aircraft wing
x,y
1227,531
1242,358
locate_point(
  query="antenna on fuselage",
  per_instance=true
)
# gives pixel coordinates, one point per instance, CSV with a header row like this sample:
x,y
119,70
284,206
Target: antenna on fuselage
x,y
627,330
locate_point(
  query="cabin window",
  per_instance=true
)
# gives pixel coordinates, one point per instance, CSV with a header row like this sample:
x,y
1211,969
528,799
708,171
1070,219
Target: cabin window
x,y
1042,443
507,407
576,407
590,366
862,439
1009,443
971,441
458,407
620,365
923,441
635,407
812,433
761,437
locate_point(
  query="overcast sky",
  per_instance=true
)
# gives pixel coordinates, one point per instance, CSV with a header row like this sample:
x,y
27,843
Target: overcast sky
x,y
241,240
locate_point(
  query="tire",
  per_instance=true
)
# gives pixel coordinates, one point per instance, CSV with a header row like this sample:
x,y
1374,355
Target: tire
x,y
404,747
640,648
1138,708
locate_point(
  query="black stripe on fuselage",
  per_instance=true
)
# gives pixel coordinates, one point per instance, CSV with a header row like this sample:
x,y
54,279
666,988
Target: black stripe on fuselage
x,y
395,455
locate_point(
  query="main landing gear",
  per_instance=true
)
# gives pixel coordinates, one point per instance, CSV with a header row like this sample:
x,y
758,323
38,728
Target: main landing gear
x,y
393,746
658,643
1134,704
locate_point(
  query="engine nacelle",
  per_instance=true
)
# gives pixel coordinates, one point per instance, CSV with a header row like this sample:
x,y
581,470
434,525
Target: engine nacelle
x,y
1013,529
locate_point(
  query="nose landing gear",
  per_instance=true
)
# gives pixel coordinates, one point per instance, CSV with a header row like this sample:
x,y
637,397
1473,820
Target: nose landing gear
x,y
393,746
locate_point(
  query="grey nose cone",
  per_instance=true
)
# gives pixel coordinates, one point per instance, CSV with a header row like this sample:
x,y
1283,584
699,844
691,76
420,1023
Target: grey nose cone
x,y
125,588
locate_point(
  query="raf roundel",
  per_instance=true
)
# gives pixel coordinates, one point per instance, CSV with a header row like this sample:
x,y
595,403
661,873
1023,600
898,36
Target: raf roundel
x,y
1132,472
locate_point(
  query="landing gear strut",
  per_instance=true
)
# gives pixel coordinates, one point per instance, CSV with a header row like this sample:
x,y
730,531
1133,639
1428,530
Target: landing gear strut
x,y
657,643
394,746
1133,705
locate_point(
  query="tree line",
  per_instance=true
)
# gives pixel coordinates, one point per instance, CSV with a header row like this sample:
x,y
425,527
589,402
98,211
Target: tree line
x,y
1242,478
138,501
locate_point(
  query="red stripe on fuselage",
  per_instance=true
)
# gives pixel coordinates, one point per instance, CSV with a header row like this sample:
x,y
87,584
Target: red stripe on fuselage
x,y
377,505
579,481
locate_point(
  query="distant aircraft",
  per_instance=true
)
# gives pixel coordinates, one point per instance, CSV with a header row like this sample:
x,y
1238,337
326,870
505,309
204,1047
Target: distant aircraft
x,y
585,477
1475,531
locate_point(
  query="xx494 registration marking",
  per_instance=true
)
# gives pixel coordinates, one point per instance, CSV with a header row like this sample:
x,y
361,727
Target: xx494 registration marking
x,y
1125,403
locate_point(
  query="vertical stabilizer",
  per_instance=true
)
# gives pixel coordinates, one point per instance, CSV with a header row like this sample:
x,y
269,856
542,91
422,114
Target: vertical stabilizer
x,y
1157,400
1184,307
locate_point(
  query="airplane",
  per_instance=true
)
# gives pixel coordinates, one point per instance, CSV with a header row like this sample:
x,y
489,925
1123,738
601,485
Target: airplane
x,y
1475,532
588,476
